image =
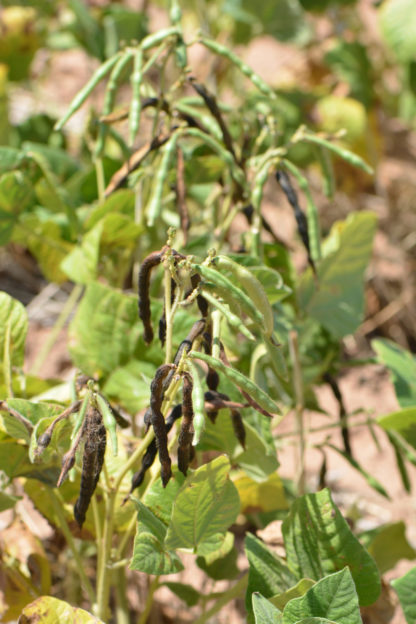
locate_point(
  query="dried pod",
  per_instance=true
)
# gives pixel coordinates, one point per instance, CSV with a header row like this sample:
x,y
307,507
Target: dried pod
x,y
151,451
200,300
238,426
187,431
301,221
92,462
146,267
158,422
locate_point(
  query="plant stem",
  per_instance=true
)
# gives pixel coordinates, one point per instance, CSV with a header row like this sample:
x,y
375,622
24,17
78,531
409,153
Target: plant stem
x,y
104,572
57,504
122,605
99,172
149,600
298,391
234,592
56,330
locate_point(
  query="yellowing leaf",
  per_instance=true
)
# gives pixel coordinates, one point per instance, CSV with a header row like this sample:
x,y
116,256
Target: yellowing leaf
x,y
265,496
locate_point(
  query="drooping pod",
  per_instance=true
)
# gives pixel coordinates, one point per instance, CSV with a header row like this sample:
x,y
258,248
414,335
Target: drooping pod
x,y
186,433
151,451
158,422
45,439
301,221
238,426
146,267
92,462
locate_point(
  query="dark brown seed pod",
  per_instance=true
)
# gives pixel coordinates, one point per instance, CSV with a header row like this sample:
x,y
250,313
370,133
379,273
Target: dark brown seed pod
x,y
158,422
238,426
186,345
301,221
187,430
45,439
92,462
151,451
146,267
201,302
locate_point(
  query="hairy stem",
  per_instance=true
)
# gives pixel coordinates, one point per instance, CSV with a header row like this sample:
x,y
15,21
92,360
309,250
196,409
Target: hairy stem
x,y
149,601
234,592
299,408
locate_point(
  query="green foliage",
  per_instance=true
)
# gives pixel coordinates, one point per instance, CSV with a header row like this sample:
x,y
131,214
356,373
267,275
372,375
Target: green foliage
x,y
405,588
158,208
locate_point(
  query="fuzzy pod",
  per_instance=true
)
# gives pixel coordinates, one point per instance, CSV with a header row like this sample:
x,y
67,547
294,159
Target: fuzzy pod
x,y
238,426
151,451
158,422
92,462
187,431
146,267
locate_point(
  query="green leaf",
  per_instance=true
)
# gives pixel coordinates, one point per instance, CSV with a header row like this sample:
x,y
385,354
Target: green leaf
x,y
13,329
80,265
403,421
258,460
223,566
334,598
7,501
160,499
120,202
150,554
16,195
48,610
61,163
206,505
281,600
398,26
9,158
105,331
45,240
268,574
268,495
349,60
319,541
338,303
402,366
130,384
405,588
264,611
389,545
187,593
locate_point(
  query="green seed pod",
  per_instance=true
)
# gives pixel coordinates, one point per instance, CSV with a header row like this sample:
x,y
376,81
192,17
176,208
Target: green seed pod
x,y
235,321
82,95
198,402
225,285
252,286
135,106
155,205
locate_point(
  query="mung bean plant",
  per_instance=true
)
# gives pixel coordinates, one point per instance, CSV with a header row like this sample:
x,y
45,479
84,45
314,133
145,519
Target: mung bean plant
x,y
190,340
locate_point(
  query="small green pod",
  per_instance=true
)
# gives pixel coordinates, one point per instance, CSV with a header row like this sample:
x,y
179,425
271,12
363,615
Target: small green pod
x,y
135,106
235,321
82,95
342,152
242,382
108,420
252,286
81,415
198,402
154,39
218,279
155,205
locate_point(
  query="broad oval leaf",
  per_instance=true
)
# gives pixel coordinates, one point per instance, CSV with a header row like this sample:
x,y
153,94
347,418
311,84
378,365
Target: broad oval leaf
x,y
405,588
402,366
13,329
206,505
319,541
333,598
264,611
48,610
